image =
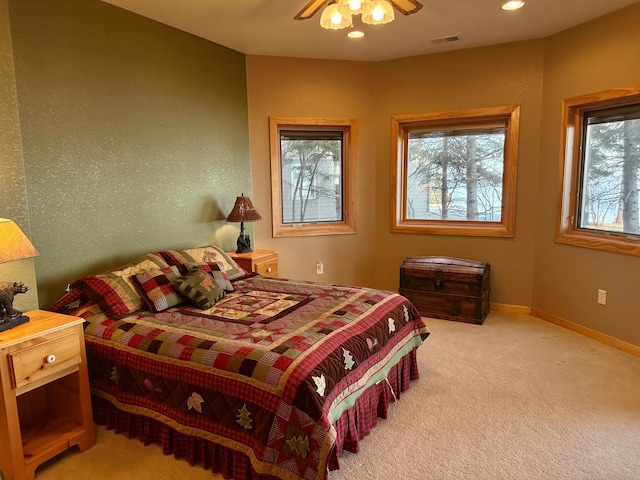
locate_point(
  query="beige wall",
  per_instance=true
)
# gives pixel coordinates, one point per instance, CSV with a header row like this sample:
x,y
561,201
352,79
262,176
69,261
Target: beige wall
x,y
508,74
528,270
372,93
597,56
313,88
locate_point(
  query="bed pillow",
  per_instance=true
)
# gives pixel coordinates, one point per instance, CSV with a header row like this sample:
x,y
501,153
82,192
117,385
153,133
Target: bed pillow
x,y
115,295
156,289
208,254
216,271
145,262
114,291
199,288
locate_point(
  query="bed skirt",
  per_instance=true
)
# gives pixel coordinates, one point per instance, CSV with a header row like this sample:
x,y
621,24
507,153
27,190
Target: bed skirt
x,y
354,424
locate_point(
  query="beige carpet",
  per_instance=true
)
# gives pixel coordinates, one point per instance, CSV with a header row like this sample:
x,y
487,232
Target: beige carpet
x,y
515,398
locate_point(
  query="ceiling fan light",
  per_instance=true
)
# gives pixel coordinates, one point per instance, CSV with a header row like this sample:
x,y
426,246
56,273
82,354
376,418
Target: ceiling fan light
x,y
332,19
381,12
354,7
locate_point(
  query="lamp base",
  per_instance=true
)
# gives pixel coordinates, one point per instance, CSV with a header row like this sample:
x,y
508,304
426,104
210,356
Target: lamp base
x,y
7,322
244,243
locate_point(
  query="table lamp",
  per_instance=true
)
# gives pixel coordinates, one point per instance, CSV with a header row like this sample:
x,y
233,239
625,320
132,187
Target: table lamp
x,y
14,245
243,211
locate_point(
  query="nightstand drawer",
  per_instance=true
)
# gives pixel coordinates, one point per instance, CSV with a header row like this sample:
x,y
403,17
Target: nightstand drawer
x,y
262,262
45,358
268,267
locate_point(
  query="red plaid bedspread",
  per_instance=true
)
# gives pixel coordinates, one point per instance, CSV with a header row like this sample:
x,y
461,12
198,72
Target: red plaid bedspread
x,y
265,372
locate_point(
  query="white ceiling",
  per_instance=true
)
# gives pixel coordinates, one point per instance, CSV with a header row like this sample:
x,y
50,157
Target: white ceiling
x,y
267,27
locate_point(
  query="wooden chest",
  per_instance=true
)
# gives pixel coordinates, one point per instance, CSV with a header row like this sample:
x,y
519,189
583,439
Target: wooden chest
x,y
446,287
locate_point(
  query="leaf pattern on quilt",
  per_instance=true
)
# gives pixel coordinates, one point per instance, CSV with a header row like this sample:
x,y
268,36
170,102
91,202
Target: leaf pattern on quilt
x,y
262,333
114,375
299,445
73,305
195,402
244,417
321,384
348,359
392,325
372,343
406,313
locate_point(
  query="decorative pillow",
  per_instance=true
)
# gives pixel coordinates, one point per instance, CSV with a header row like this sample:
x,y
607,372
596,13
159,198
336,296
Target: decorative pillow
x,y
208,254
216,271
114,291
156,290
115,295
145,262
199,288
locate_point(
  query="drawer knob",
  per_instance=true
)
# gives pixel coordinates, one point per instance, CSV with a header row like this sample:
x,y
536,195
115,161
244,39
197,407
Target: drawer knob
x,y
51,358
269,270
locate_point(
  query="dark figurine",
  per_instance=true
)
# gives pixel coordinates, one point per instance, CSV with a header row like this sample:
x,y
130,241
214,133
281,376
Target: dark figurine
x,y
7,291
244,243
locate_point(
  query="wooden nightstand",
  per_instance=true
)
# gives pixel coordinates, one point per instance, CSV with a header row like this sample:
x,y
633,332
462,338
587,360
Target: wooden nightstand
x,y
45,403
264,262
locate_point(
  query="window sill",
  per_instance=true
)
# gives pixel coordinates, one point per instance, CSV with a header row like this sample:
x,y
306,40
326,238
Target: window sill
x,y
463,228
605,242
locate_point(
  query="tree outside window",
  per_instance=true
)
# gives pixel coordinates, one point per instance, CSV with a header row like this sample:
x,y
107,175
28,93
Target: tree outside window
x,y
455,175
455,172
313,185
311,177
601,171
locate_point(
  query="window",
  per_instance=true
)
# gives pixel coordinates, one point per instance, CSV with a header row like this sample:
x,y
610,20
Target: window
x,y
312,176
601,171
454,173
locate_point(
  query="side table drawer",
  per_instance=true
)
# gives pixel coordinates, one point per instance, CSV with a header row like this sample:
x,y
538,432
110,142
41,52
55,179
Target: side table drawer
x,y
268,267
262,262
45,358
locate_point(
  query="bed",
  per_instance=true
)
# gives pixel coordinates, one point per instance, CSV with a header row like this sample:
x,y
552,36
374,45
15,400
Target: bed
x,y
250,376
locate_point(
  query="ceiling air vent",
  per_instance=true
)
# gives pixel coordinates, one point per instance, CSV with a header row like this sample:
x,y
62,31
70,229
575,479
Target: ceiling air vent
x,y
452,38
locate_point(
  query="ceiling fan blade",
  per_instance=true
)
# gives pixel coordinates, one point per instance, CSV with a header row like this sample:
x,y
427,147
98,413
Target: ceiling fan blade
x,y
407,7
310,9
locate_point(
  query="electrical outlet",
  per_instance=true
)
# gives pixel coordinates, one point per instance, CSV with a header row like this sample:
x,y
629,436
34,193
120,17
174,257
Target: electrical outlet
x,y
319,268
602,297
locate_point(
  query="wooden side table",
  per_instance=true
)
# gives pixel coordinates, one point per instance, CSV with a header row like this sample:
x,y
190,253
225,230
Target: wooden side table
x,y
264,262
45,403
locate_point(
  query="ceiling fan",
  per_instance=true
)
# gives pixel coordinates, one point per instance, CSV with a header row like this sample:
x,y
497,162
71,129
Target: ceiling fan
x,y
406,7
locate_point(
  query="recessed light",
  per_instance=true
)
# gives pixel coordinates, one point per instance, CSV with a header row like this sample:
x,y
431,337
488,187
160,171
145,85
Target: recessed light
x,y
355,34
513,5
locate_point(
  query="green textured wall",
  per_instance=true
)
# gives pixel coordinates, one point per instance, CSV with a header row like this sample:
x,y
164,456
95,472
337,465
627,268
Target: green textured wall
x,y
13,194
135,136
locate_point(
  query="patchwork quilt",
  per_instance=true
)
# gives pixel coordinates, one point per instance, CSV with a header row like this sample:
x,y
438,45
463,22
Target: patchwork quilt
x,y
266,371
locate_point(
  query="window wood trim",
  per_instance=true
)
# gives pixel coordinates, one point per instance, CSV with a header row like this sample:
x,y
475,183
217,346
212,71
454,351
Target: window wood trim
x,y
573,110
348,224
399,132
